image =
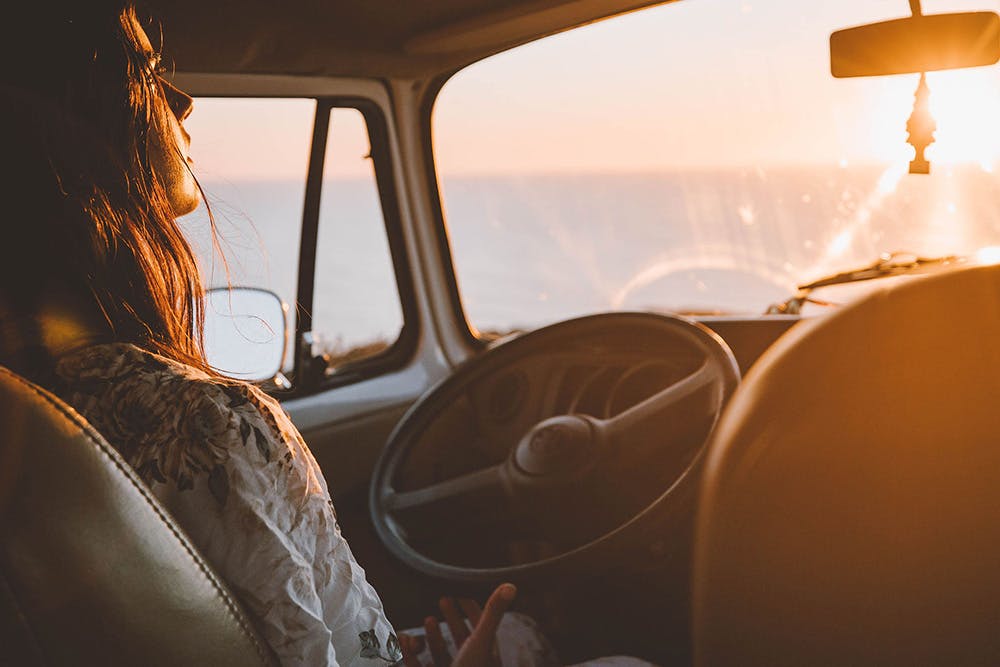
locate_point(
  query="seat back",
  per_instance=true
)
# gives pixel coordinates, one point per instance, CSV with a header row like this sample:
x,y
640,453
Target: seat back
x,y
92,569
850,512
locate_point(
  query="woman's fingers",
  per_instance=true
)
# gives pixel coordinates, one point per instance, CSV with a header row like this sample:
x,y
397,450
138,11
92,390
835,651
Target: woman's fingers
x,y
472,610
410,648
439,650
496,606
481,648
476,647
459,629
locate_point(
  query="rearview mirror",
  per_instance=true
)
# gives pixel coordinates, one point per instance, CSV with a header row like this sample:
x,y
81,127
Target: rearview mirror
x,y
246,333
922,43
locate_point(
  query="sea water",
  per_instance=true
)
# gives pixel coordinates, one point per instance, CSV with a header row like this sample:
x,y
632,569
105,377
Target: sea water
x,y
533,249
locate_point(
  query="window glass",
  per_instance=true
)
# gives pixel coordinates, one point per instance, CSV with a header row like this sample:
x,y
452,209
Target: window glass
x,y
251,157
699,157
356,310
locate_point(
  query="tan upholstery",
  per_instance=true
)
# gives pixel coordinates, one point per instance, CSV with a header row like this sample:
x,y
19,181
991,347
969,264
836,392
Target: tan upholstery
x,y
850,513
92,569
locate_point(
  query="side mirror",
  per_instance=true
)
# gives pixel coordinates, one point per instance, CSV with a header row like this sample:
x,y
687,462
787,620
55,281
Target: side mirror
x,y
246,333
921,43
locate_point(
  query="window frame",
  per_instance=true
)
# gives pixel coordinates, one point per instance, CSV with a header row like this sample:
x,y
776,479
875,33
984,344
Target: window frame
x,y
303,382
430,97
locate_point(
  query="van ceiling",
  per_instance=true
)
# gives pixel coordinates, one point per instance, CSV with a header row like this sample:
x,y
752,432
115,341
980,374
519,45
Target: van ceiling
x,y
383,38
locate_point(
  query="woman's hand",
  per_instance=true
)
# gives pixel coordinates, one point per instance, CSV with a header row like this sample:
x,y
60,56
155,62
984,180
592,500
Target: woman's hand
x,y
476,648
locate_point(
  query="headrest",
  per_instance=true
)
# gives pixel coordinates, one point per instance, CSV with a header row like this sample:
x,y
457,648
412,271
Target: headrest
x,y
850,512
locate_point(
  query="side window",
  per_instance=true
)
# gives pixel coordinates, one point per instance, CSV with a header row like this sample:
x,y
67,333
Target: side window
x,y
357,311
251,157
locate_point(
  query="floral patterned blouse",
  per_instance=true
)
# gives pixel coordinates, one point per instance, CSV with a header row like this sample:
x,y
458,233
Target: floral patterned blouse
x,y
227,462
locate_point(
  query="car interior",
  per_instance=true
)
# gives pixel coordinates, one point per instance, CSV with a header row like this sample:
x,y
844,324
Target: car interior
x,y
672,399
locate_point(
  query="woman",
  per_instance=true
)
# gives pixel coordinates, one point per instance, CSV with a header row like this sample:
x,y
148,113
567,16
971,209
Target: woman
x,y
101,301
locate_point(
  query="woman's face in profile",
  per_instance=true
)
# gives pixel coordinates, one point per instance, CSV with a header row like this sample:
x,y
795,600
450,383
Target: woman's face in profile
x,y
167,143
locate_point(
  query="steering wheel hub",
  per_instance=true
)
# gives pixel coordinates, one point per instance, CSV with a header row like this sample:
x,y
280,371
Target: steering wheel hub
x,y
557,446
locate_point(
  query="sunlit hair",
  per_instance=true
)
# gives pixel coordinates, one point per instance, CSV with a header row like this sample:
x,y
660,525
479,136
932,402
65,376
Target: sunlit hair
x,y
85,210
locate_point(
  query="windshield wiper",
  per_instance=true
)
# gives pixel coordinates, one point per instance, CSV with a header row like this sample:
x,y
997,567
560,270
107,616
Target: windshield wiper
x,y
886,266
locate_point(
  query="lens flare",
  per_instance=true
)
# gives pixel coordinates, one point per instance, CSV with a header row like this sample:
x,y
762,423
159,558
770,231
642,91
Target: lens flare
x,y
966,105
987,255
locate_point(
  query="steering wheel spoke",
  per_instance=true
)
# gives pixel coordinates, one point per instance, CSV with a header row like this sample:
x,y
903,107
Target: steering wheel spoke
x,y
481,492
694,399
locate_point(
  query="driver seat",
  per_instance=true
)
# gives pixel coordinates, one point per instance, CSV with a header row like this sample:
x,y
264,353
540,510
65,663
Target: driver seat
x,y
850,509
93,571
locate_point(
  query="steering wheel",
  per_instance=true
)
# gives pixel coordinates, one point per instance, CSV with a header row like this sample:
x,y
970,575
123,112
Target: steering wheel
x,y
555,452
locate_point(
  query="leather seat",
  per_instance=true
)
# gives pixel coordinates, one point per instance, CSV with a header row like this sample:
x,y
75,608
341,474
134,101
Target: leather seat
x,y
850,513
92,569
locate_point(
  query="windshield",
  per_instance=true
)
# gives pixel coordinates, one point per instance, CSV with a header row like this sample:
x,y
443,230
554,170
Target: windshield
x,y
699,157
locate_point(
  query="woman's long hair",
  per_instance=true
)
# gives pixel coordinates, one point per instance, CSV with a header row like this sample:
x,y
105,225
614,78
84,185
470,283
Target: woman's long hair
x,y
86,214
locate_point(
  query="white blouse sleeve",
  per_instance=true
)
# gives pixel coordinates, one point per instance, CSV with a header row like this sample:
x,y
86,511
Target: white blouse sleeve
x,y
263,517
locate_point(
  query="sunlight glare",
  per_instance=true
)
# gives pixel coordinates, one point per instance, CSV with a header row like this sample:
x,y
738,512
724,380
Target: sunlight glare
x,y
890,178
966,106
988,255
840,243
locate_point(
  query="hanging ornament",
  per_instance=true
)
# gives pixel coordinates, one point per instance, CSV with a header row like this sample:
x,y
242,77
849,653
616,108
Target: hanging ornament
x,y
920,127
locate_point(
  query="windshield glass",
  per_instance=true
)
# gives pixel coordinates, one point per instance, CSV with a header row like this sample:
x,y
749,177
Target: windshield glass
x,y
699,157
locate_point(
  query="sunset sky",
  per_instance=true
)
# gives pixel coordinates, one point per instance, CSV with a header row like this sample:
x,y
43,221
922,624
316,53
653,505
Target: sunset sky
x,y
698,83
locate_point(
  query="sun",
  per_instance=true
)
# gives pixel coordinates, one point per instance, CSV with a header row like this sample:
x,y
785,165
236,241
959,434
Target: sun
x,y
966,106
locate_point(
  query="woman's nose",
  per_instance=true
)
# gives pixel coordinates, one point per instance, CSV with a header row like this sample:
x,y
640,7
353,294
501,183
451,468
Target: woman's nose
x,y
179,102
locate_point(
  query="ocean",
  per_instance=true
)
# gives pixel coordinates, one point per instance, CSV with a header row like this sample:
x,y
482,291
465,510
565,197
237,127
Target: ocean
x,y
533,249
